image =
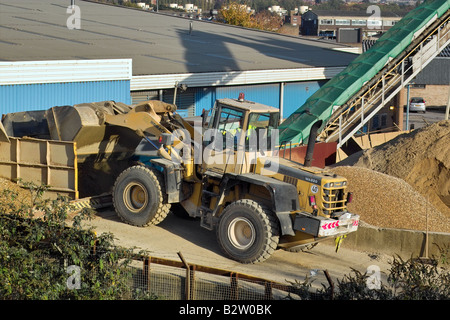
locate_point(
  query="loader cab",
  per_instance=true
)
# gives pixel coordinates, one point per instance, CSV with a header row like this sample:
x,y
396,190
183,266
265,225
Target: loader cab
x,y
232,119
239,125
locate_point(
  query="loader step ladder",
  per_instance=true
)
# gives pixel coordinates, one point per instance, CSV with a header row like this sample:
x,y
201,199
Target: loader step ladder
x,y
206,214
350,118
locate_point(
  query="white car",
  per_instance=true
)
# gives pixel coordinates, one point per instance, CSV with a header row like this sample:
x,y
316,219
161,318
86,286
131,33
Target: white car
x,y
417,104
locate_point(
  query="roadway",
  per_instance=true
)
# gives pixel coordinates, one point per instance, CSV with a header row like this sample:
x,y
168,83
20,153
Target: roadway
x,y
199,246
419,119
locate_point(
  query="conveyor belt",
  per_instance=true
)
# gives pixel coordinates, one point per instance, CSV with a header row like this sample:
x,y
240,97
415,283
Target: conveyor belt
x,y
350,99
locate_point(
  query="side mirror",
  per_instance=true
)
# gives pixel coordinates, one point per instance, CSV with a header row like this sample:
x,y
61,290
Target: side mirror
x,y
209,142
204,116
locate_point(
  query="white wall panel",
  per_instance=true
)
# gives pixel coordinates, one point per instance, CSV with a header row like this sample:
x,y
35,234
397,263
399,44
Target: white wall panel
x,y
209,79
57,71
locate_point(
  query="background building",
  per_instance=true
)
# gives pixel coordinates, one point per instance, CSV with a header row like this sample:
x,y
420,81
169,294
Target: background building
x,y
131,55
433,82
326,23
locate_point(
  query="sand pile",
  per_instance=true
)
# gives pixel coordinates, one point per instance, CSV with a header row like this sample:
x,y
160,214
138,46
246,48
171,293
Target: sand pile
x,y
389,202
23,195
421,158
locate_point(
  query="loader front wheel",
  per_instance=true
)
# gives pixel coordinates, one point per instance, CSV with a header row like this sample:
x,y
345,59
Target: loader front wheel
x,y
247,231
138,196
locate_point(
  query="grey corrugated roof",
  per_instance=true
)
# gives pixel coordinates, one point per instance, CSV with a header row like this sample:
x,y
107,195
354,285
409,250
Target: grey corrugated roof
x,y
158,44
435,73
445,52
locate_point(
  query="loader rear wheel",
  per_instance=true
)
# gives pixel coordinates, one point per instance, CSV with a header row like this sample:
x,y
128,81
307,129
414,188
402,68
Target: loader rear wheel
x,y
138,196
248,232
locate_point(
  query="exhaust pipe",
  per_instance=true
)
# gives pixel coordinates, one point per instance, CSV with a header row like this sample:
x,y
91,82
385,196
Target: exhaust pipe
x,y
311,143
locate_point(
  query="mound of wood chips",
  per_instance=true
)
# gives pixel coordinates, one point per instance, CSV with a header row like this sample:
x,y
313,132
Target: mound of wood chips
x,y
385,201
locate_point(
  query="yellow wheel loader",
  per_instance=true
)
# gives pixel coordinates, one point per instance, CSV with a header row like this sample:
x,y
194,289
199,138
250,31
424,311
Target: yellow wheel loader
x,y
225,168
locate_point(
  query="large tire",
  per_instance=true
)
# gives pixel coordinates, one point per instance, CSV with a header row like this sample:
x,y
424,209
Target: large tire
x,y
248,232
138,196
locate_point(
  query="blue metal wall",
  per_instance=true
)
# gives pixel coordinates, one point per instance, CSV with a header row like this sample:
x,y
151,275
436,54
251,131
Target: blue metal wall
x,y
295,94
27,97
266,94
204,99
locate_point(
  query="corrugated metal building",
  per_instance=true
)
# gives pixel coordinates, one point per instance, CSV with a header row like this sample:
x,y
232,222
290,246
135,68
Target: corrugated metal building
x,y
130,55
435,73
284,89
35,85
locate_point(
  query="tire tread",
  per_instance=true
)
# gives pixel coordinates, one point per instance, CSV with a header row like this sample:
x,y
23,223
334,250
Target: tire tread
x,y
272,229
163,207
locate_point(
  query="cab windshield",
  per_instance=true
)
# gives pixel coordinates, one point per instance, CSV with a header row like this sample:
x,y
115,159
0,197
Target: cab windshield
x,y
229,123
263,120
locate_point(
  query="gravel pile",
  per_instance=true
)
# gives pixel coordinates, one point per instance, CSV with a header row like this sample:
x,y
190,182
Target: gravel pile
x,y
421,158
397,183
386,201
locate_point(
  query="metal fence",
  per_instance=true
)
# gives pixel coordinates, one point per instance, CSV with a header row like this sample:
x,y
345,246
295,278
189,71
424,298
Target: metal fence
x,y
132,276
178,280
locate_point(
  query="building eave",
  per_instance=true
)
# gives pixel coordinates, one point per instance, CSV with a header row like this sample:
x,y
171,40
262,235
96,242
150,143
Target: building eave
x,y
212,79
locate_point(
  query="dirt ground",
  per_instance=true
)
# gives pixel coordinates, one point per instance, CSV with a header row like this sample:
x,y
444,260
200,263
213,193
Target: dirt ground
x,y
199,246
385,201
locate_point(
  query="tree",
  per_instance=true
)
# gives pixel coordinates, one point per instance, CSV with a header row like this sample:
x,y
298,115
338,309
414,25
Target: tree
x,y
42,257
265,20
331,5
260,5
236,14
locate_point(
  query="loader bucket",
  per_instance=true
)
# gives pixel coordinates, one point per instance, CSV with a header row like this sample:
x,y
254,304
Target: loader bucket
x,y
85,125
3,135
26,124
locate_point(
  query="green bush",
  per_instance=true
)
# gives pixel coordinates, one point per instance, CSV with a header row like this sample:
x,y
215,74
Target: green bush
x,y
412,279
420,279
43,257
